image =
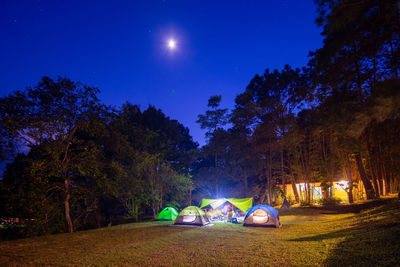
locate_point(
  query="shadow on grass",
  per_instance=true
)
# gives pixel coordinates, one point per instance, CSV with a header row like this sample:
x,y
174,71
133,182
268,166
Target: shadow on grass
x,y
372,240
358,207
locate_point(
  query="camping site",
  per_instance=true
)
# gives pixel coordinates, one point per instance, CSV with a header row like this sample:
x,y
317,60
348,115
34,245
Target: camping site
x,y
200,133
359,235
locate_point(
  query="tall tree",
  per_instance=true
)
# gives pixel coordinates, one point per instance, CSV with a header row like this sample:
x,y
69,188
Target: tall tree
x,y
360,57
214,120
50,115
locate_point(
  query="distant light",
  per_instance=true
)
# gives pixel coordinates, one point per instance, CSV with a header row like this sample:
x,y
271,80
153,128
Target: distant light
x,y
219,202
171,44
343,184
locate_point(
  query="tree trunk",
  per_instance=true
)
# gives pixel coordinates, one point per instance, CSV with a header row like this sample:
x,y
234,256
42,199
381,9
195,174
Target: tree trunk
x,y
283,175
350,193
376,186
293,182
386,179
66,205
392,184
268,189
301,194
380,178
382,171
349,178
372,166
308,190
374,178
216,176
269,175
366,182
295,192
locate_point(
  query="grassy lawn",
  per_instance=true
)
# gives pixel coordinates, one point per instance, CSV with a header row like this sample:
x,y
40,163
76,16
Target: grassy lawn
x,y
308,237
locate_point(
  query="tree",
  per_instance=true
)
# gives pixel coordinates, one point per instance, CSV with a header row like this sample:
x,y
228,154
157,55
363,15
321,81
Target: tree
x,y
146,154
265,110
152,132
49,116
360,59
214,120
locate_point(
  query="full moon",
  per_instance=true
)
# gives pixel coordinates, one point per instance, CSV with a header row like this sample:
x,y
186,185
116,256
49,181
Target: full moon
x,y
171,44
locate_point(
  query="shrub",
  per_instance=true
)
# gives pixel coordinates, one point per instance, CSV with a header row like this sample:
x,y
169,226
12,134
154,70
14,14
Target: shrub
x,y
305,203
330,201
11,232
278,201
291,199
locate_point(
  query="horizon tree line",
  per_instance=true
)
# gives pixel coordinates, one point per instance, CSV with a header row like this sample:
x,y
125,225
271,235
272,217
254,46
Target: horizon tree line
x,y
336,117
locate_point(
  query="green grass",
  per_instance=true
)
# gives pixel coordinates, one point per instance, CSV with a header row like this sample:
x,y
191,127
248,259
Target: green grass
x,y
308,237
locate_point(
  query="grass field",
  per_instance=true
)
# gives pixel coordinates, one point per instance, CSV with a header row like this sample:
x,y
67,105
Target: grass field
x,y
356,237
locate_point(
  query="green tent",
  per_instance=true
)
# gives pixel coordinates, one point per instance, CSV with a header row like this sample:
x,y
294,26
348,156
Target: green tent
x,y
169,214
241,203
192,216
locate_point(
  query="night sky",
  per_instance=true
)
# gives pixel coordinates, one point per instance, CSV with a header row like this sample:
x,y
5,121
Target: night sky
x,y
121,47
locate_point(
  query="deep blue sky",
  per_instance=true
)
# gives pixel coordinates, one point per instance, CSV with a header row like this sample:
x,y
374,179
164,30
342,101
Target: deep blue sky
x,y
121,48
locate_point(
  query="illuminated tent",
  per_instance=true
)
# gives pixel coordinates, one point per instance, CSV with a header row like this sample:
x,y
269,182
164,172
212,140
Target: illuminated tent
x,y
192,216
262,215
241,203
168,214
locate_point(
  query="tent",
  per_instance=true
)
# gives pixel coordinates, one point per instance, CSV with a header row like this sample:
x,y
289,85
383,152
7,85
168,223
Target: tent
x,y
241,203
168,214
262,215
192,216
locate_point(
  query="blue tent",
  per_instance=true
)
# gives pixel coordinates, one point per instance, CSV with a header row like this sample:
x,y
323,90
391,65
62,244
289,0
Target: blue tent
x,y
262,215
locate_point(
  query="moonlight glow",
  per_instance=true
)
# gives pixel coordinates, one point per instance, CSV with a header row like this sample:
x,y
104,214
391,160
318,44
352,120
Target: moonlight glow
x,y
171,44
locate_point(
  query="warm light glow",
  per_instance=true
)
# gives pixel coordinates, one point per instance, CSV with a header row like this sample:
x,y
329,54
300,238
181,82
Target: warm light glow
x,y
260,216
342,184
260,212
172,44
189,218
260,219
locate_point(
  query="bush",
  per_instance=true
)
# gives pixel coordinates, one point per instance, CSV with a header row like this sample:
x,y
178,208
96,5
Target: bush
x,y
330,201
11,232
305,203
291,199
278,201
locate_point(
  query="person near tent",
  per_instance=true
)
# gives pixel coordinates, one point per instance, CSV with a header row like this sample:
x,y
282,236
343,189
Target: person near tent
x,y
209,213
231,214
217,214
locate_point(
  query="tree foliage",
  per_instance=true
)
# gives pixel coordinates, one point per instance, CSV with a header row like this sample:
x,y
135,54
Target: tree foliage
x,y
85,162
334,119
